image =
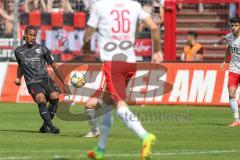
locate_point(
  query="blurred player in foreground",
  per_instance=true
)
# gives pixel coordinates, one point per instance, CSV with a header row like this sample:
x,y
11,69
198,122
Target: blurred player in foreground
x,y
91,107
116,22
94,102
233,48
32,59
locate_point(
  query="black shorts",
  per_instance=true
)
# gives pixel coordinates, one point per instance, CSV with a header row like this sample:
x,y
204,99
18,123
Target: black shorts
x,y
46,86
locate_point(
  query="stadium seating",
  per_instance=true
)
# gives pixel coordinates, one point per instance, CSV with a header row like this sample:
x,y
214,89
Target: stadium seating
x,y
211,25
54,19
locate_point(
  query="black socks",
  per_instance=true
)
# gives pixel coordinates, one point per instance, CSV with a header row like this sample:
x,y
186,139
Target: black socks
x,y
45,115
52,109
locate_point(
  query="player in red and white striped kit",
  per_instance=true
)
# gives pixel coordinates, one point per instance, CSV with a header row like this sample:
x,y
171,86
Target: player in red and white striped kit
x,y
233,48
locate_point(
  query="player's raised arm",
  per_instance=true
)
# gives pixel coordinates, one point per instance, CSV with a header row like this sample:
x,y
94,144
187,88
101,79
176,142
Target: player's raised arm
x,y
157,57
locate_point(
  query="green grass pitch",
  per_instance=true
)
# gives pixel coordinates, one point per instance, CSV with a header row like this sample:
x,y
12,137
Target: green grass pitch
x,y
183,133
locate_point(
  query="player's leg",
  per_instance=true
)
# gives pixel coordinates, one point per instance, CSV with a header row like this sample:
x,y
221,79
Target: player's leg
x,y
52,91
91,114
233,80
128,117
38,94
133,123
53,100
53,95
234,105
52,107
41,101
122,110
107,120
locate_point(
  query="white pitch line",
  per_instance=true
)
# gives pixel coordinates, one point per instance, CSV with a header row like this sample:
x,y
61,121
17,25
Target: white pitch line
x,y
174,153
109,151
43,151
61,156
156,154
195,152
15,158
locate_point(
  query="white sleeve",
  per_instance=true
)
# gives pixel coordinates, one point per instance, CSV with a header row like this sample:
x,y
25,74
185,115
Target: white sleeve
x,y
142,14
227,40
161,3
94,17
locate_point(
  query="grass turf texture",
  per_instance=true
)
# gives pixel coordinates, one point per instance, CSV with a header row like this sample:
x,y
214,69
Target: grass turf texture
x,y
183,133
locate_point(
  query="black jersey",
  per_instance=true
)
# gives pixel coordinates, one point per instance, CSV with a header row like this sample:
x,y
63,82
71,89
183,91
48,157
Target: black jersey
x,y
32,62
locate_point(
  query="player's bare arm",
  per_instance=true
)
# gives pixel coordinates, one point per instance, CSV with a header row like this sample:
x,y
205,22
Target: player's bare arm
x,y
19,76
157,56
61,77
199,55
227,53
86,39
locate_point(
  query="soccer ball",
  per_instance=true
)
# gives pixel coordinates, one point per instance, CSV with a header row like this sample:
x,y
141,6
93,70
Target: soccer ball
x,y
78,79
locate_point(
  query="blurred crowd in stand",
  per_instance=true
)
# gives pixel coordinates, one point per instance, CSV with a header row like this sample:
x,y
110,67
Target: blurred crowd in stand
x,y
7,9
6,18
153,7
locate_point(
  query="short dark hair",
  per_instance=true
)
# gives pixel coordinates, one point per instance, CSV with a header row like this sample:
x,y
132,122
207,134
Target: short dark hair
x,y
192,33
235,20
30,27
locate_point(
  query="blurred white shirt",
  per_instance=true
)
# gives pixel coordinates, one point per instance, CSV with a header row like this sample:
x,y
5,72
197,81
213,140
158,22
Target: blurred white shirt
x,y
116,21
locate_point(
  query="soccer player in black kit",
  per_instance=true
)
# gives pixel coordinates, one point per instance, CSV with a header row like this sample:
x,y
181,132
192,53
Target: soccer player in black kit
x,y
32,59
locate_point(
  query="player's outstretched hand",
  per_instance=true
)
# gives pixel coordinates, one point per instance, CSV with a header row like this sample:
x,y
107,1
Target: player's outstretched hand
x,y
222,65
17,81
157,57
